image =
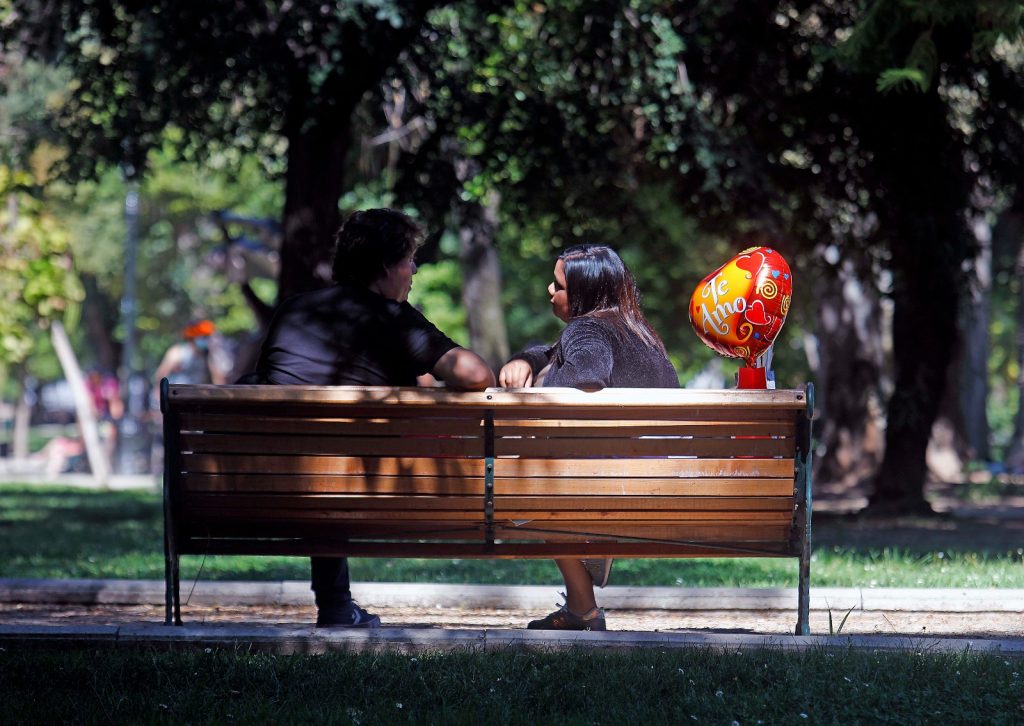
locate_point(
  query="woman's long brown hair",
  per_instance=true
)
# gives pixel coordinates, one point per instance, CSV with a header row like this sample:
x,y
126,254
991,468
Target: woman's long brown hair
x,y
598,283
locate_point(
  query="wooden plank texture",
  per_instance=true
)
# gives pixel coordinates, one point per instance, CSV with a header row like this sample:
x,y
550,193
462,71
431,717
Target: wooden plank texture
x,y
625,428
710,487
342,426
480,550
607,447
333,484
284,445
369,466
694,487
290,512
502,504
182,396
378,471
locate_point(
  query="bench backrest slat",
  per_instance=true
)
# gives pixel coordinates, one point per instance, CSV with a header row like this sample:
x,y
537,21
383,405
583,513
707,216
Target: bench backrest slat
x,y
383,466
328,484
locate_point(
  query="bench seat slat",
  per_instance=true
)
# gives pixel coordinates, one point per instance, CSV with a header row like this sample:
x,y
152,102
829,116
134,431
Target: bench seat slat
x,y
508,507
726,487
284,445
541,448
370,466
444,529
503,467
510,550
314,483
430,445
213,513
327,426
463,426
627,428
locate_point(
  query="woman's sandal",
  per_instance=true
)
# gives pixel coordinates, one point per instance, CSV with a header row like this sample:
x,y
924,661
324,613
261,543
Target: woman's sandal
x,y
565,619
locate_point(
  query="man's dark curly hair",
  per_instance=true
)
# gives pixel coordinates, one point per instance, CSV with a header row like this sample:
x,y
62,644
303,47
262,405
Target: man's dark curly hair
x,y
370,241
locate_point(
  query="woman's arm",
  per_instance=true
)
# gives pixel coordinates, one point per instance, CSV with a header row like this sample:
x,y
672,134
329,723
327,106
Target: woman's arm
x,y
522,370
586,357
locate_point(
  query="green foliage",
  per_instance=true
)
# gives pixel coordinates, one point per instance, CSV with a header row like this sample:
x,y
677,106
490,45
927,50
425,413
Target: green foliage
x,y
921,64
179,275
436,291
37,281
29,91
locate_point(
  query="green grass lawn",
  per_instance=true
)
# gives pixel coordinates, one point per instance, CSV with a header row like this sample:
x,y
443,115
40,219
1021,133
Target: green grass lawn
x,y
53,532
517,686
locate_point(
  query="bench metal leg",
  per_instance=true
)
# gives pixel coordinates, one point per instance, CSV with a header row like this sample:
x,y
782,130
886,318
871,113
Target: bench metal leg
x,y
168,587
172,584
172,580
804,593
805,442
177,590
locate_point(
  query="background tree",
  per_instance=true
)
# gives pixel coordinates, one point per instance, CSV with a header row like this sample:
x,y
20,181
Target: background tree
x,y
278,79
857,146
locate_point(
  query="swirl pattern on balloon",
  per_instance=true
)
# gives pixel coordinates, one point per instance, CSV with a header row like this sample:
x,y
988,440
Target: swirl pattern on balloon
x,y
768,289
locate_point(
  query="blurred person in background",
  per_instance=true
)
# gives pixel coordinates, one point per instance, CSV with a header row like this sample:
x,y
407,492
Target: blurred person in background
x,y
105,393
196,359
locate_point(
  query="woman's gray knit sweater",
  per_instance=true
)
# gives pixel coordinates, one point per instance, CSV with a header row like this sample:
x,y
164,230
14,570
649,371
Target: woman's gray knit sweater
x,y
593,352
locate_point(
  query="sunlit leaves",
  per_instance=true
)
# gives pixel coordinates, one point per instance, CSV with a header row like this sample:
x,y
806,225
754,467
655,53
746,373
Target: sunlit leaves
x,y
38,283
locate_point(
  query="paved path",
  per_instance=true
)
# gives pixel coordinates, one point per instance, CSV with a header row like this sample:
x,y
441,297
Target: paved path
x,y
275,616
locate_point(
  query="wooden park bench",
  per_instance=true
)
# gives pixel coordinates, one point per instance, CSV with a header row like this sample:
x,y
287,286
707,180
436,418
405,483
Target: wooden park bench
x,y
417,472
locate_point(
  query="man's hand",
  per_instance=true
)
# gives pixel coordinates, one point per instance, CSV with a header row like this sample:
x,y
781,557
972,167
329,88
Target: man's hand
x,y
515,374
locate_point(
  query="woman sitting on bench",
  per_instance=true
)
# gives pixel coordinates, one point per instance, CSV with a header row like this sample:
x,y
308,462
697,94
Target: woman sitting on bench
x,y
607,343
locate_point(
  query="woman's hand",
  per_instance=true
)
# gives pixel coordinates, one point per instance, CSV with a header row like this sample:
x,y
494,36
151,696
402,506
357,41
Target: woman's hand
x,y
515,374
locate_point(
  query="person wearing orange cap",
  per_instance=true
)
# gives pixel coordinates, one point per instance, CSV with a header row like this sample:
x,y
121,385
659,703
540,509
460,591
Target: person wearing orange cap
x,y
189,361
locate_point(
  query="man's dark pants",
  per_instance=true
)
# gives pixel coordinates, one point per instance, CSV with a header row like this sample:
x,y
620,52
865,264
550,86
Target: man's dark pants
x,y
330,581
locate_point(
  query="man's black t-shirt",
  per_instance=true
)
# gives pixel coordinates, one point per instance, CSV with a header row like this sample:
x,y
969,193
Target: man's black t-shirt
x,y
346,335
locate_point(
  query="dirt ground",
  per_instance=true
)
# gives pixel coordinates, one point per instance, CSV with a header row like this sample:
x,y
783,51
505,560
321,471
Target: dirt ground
x,y
972,625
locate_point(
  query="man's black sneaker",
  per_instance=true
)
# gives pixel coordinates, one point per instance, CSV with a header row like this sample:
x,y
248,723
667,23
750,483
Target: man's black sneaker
x,y
348,615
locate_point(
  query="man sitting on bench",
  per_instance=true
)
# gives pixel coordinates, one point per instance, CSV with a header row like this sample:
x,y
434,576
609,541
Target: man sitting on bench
x,y
362,331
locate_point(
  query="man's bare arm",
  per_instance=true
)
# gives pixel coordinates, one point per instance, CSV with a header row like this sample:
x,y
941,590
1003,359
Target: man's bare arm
x,y
464,369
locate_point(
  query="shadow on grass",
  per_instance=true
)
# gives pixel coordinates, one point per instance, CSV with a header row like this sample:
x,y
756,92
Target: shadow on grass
x,y
983,534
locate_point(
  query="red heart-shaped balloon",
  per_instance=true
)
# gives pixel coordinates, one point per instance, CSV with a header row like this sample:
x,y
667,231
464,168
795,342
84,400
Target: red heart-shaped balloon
x,y
739,309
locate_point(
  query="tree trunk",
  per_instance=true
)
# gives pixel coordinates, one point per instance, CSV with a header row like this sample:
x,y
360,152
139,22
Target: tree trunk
x,y
849,392
973,368
961,431
920,171
313,185
99,463
481,281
